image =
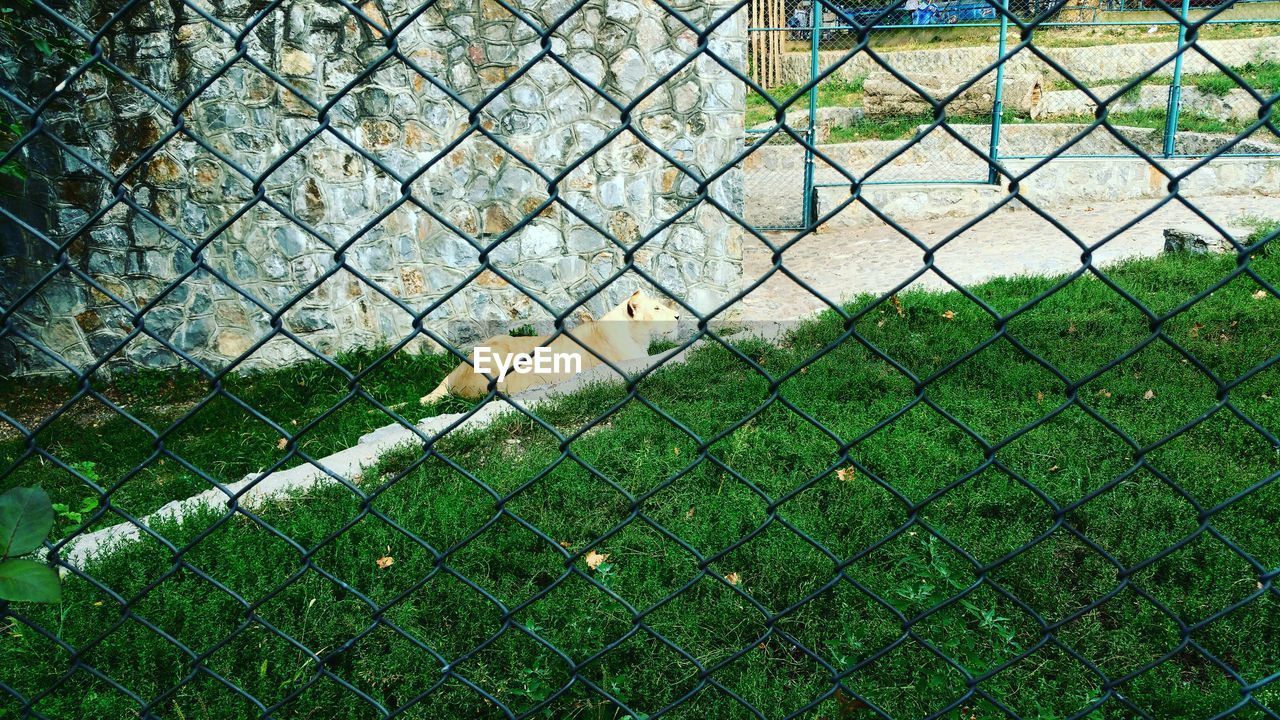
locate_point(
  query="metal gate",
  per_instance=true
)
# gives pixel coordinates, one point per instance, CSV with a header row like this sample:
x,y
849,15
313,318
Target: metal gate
x,y
804,99
860,97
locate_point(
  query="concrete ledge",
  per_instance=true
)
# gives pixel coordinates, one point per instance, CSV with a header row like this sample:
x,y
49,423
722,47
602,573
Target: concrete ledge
x,y
258,488
1061,182
1088,63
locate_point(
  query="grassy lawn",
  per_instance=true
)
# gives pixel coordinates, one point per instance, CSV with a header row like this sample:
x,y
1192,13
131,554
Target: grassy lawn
x,y
773,511
1265,77
218,435
903,127
897,128
1262,76
1187,121
834,92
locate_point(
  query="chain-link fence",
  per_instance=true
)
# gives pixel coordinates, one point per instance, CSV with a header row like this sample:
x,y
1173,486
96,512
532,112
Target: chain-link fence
x,y
1023,464
1162,93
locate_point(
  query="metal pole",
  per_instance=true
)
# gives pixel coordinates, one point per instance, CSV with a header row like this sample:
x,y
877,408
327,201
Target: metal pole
x,y
810,194
1175,89
997,107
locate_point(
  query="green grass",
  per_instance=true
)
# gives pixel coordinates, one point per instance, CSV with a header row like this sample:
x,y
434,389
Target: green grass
x,y
899,128
743,526
220,437
1155,120
1261,76
1265,77
833,92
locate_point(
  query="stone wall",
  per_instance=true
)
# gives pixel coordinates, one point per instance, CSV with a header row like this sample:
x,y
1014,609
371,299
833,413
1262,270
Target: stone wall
x,y
1091,64
355,188
940,158
1062,183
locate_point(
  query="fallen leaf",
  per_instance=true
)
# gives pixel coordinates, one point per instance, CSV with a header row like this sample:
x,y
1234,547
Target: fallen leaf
x,y
1260,295
849,707
1104,392
675,450
1054,469
565,544
733,578
1149,394
595,559
689,515
1039,397
949,315
846,474
897,305
1266,396
1195,330
281,443
385,562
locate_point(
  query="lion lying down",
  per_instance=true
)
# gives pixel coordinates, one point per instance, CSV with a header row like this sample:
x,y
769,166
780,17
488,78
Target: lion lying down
x,y
621,334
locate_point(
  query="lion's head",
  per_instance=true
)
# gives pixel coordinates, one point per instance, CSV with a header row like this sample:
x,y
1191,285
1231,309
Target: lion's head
x,y
660,317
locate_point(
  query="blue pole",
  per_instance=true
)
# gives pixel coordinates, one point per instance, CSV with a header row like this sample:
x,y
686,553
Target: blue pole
x,y
997,107
815,39
1175,89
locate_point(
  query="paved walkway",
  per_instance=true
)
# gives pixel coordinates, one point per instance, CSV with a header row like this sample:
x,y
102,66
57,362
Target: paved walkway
x,y
842,260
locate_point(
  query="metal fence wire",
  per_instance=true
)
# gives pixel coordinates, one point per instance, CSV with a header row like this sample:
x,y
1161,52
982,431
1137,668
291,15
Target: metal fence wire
x,y
148,634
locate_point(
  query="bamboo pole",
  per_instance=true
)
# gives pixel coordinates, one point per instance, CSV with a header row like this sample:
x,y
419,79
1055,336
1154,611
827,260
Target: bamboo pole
x,y
756,59
780,40
773,42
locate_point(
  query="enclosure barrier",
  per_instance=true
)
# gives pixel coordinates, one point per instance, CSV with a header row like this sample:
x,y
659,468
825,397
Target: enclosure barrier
x,y
947,38
146,629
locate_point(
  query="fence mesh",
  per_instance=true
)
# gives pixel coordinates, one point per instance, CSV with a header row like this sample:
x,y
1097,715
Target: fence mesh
x,y
1127,56
1045,497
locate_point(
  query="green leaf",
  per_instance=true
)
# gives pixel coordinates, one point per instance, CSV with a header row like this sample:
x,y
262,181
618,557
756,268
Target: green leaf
x,y
13,169
29,581
26,517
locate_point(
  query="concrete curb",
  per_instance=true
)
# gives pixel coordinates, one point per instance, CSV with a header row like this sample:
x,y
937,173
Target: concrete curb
x,y
257,488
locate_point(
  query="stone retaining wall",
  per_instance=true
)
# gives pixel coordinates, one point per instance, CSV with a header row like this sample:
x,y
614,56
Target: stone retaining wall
x,y
941,158
1235,105
402,235
1095,63
1062,182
